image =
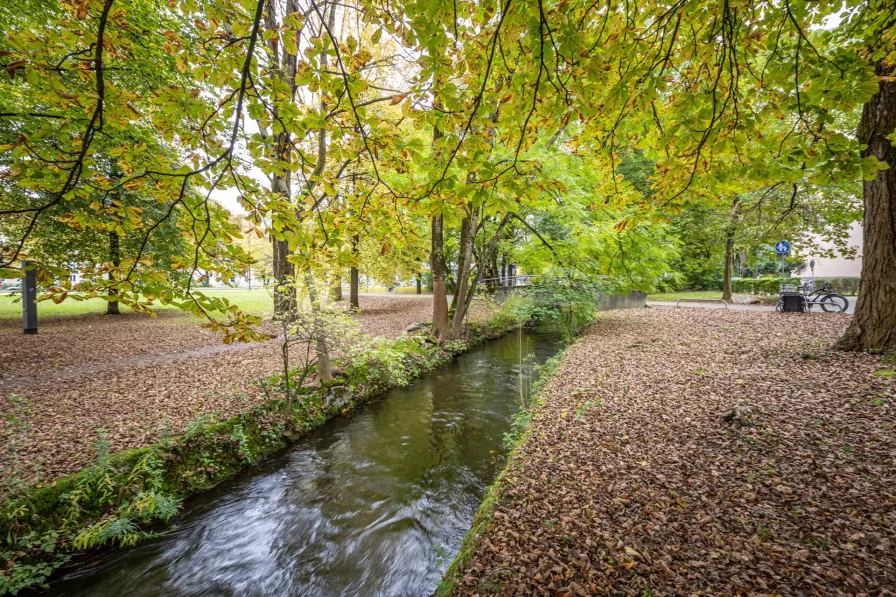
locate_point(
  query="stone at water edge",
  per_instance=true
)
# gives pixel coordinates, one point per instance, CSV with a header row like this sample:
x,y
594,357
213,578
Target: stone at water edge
x,y
339,396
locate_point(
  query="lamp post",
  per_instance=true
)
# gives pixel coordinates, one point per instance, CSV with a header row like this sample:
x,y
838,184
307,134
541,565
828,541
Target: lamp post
x,y
29,294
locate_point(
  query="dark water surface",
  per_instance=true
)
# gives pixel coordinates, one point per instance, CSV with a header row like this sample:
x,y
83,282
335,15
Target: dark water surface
x,y
372,504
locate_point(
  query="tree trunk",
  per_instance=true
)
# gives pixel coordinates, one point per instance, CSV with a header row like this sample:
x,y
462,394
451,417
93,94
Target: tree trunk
x,y
354,304
874,325
726,279
353,289
115,258
439,269
284,356
320,331
730,232
284,70
419,284
336,287
464,265
439,296
742,264
284,273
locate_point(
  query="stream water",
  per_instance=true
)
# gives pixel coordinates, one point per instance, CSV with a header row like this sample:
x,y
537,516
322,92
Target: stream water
x,y
375,503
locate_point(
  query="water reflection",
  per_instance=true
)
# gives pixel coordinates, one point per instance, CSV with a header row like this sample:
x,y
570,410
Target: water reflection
x,y
375,503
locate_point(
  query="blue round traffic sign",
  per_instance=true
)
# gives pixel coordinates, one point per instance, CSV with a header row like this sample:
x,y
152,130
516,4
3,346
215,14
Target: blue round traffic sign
x,y
782,247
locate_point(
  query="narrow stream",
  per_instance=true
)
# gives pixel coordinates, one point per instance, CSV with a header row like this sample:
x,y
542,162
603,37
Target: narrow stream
x,y
372,504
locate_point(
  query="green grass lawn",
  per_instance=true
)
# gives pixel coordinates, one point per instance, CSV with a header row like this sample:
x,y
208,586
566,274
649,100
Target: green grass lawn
x,y
696,294
255,302
702,294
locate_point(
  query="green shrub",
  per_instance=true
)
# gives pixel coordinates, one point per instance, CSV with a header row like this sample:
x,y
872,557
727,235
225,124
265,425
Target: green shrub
x,y
848,286
104,504
568,302
765,285
771,285
514,311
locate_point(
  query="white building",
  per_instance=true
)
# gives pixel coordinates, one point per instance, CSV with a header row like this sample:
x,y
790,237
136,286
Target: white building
x,y
839,267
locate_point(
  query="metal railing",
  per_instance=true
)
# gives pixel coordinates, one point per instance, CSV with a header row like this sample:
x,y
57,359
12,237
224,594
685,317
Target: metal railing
x,y
695,300
529,279
507,281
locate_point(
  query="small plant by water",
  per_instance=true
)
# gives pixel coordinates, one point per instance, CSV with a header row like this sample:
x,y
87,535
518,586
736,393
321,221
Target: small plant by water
x,y
569,301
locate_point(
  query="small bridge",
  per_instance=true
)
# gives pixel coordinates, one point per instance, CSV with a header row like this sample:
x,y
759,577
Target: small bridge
x,y
507,281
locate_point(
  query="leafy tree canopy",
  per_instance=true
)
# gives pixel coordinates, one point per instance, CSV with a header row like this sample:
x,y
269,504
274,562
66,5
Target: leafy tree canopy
x,y
368,118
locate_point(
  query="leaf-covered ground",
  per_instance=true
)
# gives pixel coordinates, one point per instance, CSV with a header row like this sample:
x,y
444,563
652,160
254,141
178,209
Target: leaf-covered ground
x,y
139,378
633,483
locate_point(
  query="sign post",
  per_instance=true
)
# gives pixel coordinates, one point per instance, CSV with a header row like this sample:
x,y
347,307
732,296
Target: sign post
x,y
782,248
29,294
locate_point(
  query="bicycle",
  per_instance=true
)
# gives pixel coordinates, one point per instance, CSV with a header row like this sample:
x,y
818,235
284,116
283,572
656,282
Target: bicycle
x,y
824,297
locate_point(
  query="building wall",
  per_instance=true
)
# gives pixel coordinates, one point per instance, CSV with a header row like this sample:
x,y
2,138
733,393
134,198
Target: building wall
x,y
840,267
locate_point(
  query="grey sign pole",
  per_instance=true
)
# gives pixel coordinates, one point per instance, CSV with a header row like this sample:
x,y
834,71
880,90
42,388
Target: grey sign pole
x,y
782,248
29,294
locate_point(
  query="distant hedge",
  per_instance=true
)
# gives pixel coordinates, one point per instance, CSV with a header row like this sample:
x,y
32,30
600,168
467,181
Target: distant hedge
x,y
766,285
841,285
772,284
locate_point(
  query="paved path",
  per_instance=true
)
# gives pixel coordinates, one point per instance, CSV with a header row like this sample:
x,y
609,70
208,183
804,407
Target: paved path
x,y
849,309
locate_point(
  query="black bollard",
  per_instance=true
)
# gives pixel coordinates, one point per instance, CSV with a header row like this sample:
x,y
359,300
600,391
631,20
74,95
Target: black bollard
x,y
29,294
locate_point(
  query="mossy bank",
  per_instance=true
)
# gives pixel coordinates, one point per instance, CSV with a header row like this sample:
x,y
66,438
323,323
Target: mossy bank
x,y
123,497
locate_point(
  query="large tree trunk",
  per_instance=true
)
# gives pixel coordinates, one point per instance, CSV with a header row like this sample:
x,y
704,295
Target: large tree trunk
x,y
353,301
464,266
284,69
284,273
730,232
353,289
419,284
874,325
439,270
439,295
115,258
323,353
726,277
